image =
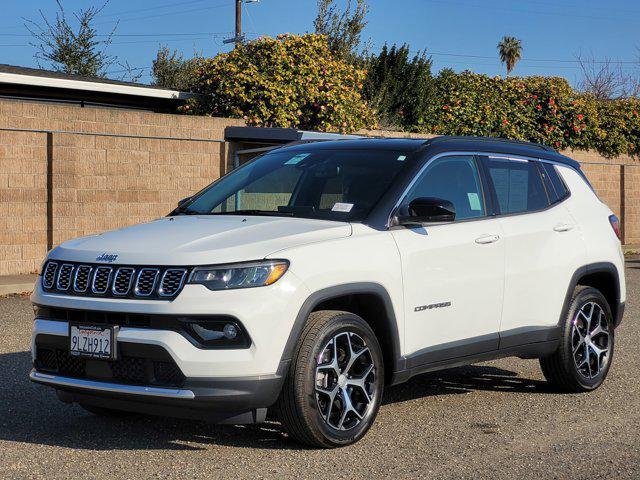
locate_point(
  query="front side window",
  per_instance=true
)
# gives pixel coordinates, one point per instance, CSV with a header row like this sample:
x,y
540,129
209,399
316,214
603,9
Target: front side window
x,y
517,184
455,179
327,184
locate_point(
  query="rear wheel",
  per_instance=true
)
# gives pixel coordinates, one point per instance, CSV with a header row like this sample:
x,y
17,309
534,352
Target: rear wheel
x,y
584,356
334,386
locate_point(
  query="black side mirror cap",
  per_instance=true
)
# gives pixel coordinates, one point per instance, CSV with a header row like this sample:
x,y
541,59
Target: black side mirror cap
x,y
427,210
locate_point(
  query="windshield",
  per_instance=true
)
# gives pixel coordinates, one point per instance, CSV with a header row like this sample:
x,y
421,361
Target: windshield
x,y
339,185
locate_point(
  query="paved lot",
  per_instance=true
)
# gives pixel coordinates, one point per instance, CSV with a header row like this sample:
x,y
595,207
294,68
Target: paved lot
x,y
495,420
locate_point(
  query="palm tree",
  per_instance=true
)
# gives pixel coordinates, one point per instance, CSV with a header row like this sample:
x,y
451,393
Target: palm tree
x,y
510,50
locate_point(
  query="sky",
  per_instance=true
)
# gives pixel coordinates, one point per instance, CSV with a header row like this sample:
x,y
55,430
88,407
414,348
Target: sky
x,y
460,34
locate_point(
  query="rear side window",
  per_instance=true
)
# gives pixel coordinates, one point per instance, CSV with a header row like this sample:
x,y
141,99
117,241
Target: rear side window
x,y
556,188
517,184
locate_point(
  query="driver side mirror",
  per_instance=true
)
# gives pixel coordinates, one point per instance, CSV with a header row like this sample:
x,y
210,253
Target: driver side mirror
x,y
427,210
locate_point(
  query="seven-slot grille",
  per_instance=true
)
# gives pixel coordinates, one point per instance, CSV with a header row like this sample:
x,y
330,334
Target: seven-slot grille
x,y
113,281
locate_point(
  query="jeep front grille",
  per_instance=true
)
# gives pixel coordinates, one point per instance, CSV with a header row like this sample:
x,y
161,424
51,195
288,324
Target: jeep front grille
x,y
99,280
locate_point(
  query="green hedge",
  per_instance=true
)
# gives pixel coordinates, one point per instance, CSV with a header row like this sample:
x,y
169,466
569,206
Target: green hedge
x,y
538,109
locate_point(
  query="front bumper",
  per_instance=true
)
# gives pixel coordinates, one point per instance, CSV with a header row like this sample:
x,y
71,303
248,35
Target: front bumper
x,y
231,400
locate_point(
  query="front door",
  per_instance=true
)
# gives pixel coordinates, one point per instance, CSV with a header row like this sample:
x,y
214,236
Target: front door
x,y
453,273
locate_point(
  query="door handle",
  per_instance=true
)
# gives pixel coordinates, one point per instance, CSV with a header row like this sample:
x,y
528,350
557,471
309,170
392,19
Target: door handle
x,y
563,227
484,239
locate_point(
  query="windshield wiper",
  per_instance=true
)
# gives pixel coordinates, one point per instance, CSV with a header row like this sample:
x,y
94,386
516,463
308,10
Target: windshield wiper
x,y
185,211
265,213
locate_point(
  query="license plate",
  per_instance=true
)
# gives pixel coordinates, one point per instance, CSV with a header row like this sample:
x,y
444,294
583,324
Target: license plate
x,y
93,342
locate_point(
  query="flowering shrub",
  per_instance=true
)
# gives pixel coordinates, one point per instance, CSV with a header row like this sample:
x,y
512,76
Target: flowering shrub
x,y
291,81
537,109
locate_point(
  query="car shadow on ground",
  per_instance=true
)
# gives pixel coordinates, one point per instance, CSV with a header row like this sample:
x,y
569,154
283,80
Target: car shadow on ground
x,y
32,413
632,263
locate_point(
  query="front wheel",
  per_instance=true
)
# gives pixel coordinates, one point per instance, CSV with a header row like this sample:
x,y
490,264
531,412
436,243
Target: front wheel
x,y
584,356
334,386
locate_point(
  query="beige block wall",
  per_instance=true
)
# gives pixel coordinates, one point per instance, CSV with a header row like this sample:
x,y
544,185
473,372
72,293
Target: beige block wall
x,y
102,182
98,182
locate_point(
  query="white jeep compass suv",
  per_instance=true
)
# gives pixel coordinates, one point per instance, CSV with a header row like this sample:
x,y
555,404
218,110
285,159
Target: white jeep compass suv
x,y
308,279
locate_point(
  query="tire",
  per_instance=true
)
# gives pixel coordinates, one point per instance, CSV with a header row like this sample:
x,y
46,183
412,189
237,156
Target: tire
x,y
305,405
104,412
582,361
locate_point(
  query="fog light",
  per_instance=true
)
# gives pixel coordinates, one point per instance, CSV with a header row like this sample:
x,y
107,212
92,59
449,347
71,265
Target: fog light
x,y
230,331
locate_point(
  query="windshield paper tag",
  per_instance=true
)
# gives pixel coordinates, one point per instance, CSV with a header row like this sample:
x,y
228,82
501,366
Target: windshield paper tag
x,y
297,159
342,207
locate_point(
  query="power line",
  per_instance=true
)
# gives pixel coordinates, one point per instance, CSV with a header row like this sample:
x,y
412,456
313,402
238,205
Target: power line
x,y
155,8
533,12
179,12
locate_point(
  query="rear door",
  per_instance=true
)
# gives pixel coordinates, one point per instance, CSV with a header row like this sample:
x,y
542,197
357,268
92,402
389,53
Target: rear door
x,y
453,272
542,246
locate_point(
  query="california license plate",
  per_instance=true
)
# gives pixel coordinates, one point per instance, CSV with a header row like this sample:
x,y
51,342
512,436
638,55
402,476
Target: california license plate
x,y
93,342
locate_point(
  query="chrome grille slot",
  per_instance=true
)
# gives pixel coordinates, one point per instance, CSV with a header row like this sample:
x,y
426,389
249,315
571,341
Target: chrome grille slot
x,y
49,274
81,281
171,282
122,281
64,277
146,281
101,280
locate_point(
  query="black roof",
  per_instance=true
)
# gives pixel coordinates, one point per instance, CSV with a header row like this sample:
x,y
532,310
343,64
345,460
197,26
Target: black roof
x,y
433,146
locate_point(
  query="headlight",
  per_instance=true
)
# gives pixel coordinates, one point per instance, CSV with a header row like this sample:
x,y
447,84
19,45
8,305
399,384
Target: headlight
x,y
239,275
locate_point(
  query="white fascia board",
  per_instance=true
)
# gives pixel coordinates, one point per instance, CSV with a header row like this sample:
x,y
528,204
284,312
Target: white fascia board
x,y
49,82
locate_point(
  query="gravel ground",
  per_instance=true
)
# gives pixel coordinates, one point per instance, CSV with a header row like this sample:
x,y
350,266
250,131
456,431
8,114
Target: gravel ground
x,y
493,420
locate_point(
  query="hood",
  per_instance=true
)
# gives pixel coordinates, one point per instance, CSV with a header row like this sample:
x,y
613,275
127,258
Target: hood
x,y
199,240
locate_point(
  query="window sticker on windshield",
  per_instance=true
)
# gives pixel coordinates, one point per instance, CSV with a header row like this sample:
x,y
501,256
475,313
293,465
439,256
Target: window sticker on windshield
x,y
402,158
474,201
342,207
297,159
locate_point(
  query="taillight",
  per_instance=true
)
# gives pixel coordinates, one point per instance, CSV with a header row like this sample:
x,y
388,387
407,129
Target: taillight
x,y
615,224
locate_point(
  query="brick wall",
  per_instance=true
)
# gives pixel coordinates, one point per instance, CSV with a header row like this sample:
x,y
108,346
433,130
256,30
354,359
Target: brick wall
x,y
98,182
114,171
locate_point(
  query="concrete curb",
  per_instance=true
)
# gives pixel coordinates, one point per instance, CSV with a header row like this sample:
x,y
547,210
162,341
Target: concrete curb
x,y
13,284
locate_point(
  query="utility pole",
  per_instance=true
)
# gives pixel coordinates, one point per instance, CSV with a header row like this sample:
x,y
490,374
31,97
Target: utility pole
x,y
239,37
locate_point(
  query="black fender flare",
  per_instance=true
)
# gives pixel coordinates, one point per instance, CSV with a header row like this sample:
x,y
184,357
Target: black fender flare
x,y
607,267
329,293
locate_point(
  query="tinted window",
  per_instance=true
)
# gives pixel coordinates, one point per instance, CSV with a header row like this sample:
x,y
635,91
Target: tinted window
x,y
518,185
556,188
317,183
455,179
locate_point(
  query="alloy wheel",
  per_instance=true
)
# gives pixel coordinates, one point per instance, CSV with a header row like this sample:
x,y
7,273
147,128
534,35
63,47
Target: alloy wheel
x,y
590,340
345,382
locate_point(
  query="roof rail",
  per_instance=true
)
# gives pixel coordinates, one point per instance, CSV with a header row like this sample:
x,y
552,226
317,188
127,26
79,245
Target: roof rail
x,y
490,139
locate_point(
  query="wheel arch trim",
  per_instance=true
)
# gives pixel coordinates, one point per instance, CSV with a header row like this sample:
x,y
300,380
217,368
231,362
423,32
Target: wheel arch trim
x,y
329,293
617,309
